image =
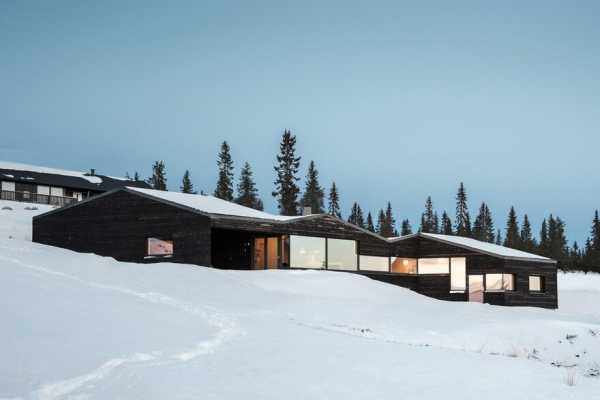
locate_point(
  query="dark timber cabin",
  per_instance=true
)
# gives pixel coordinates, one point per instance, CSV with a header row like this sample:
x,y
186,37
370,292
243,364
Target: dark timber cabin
x,y
143,225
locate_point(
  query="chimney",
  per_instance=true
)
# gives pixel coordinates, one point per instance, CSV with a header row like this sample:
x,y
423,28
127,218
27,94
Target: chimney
x,y
92,172
306,210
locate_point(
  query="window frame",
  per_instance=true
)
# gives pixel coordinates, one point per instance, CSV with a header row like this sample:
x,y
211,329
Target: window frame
x,y
466,281
356,258
542,284
168,255
360,267
432,273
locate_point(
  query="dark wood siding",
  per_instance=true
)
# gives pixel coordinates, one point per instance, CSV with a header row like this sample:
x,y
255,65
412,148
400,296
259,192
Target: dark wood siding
x,y
118,225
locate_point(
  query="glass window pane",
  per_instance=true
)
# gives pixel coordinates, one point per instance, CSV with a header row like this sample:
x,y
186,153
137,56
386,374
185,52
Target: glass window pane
x,y
307,252
341,254
402,265
259,253
509,282
434,265
493,282
158,247
458,274
373,263
535,284
285,251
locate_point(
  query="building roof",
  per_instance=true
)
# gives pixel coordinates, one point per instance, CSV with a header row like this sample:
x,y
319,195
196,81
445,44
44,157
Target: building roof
x,y
212,205
26,173
478,246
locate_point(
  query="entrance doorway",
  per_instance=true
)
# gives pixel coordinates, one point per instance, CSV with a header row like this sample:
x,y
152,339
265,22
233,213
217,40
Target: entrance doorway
x,y
266,253
476,288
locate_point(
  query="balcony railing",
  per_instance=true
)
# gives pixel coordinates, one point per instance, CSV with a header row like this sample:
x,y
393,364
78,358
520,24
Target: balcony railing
x,y
37,198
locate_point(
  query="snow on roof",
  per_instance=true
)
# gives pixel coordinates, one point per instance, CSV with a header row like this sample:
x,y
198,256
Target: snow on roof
x,y
210,204
484,247
45,170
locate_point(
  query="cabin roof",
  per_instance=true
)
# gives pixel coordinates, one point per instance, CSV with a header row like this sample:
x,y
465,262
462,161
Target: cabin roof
x,y
33,174
478,246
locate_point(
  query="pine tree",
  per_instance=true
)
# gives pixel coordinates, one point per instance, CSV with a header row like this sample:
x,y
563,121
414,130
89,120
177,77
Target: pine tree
x,y
356,216
463,220
158,180
370,225
405,229
592,249
136,176
512,238
499,237
334,202
428,218
247,193
595,232
313,193
381,223
446,227
224,189
527,242
186,183
557,242
286,189
483,227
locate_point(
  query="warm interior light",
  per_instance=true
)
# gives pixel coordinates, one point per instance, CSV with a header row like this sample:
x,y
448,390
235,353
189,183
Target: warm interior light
x,y
405,262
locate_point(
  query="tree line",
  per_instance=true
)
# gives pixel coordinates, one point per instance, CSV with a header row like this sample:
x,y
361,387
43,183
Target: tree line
x,y
550,242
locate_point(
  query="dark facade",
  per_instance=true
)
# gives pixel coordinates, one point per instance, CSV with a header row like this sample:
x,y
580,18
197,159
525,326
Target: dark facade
x,y
138,227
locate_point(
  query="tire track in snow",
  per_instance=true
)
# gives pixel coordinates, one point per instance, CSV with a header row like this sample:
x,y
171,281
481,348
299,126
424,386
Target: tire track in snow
x,y
226,326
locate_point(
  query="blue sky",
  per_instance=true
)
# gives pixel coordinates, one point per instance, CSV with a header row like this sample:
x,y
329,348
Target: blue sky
x,y
393,100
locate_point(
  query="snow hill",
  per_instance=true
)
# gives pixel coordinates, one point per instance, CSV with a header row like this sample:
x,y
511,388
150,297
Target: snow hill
x,y
80,326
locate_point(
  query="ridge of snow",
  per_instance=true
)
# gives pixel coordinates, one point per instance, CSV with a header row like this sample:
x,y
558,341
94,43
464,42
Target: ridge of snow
x,y
46,170
211,205
486,247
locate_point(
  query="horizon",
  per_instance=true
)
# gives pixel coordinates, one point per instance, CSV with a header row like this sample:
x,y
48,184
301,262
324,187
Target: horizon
x,y
393,103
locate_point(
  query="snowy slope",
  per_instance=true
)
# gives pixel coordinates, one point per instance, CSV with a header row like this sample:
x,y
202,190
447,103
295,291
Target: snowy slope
x,y
15,218
84,326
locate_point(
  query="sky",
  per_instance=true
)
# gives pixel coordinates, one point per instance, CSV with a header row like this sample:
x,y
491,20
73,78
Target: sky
x,y
394,101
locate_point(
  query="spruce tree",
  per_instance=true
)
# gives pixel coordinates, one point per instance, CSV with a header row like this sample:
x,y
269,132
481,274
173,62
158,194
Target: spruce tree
x,y
446,227
499,237
136,176
370,225
405,229
313,193
428,223
390,222
334,202
595,235
512,238
158,180
224,189
544,242
356,216
557,242
286,189
527,242
483,227
463,220
381,228
186,183
247,193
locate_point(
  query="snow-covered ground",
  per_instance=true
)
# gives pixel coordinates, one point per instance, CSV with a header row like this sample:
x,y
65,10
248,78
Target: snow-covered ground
x,y
83,326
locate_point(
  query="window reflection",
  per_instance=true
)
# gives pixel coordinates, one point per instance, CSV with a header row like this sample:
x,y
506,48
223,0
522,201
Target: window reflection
x,y
458,274
434,266
373,263
402,265
307,252
508,282
159,248
341,254
493,282
536,284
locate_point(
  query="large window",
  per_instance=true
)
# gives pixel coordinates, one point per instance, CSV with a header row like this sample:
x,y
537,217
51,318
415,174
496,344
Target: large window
x,y
307,252
159,247
536,284
373,263
434,266
341,254
402,265
508,282
458,274
493,282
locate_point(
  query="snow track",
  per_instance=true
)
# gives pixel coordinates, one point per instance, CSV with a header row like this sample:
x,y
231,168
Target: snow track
x,y
227,329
